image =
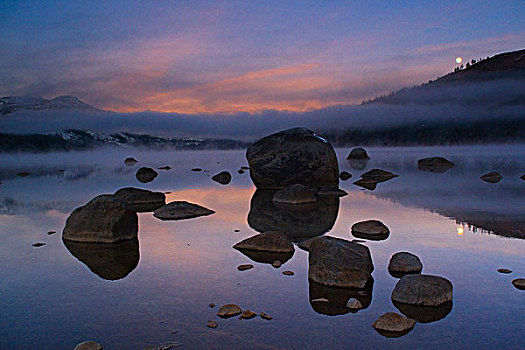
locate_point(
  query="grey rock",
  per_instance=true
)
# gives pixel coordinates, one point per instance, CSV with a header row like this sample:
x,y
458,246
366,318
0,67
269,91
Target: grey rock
x,y
272,241
180,210
88,345
104,219
354,304
337,262
424,290
294,194
370,229
393,324
223,178
493,177
434,164
358,153
141,200
145,174
293,156
404,263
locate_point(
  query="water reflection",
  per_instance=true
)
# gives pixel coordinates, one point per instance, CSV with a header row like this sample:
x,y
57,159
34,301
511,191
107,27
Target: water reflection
x,y
424,314
266,257
358,164
298,222
332,301
109,261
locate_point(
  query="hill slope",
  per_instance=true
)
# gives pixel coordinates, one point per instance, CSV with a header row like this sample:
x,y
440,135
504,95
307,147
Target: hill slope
x,y
10,104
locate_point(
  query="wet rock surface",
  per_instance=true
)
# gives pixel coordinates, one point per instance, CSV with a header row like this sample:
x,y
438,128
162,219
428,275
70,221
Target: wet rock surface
x,y
272,241
104,219
145,174
370,229
434,164
141,200
294,194
337,262
293,156
493,177
223,178
403,263
393,325
180,210
423,290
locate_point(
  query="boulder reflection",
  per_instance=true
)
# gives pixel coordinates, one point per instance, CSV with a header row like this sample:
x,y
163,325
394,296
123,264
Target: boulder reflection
x,y
297,221
266,257
424,314
332,301
109,261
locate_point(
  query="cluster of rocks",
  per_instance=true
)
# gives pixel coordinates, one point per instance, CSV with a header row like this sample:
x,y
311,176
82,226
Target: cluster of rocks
x,y
232,310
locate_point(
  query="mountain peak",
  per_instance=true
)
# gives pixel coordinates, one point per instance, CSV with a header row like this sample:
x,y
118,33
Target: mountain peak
x,y
10,104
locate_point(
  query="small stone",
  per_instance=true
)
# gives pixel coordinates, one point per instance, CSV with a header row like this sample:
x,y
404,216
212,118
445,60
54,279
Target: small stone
x,y
38,244
88,345
247,314
23,174
236,230
196,169
276,264
179,210
288,273
212,305
229,310
493,177
51,232
344,175
272,241
212,324
130,161
331,192
145,174
167,167
395,323
522,177
319,300
223,178
354,304
294,194
424,290
240,171
244,267
519,283
265,316
504,271
434,164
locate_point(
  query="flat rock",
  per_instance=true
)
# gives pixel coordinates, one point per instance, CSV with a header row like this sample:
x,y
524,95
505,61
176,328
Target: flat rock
x,y
378,175
196,169
38,244
370,229
244,267
504,270
404,263
393,324
272,241
229,310
424,290
180,210
265,316
519,283
294,194
164,346
493,177
358,153
434,164
331,192
212,324
344,175
293,156
130,161
104,219
337,262
223,177
288,273
247,314
145,174
141,200
88,345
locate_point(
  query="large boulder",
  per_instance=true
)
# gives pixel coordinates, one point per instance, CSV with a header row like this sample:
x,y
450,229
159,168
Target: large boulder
x,y
293,156
104,219
180,210
141,200
337,262
424,290
434,164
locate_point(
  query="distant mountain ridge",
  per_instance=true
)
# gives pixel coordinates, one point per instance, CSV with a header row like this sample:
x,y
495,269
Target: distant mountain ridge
x,y
10,104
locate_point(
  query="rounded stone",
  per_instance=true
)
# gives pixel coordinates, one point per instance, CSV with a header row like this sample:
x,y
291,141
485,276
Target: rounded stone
x,y
519,283
425,290
404,263
212,324
130,161
503,270
288,273
145,175
223,177
277,264
104,219
229,310
370,229
493,177
358,153
393,324
293,156
294,194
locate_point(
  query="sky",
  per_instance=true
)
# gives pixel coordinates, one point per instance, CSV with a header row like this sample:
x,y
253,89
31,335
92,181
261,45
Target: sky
x,y
242,56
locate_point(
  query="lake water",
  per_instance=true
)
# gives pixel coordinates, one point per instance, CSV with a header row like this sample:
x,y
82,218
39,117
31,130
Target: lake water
x,y
158,290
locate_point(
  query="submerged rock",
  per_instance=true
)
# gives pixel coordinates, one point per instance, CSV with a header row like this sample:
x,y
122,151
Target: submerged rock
x,y
504,271
294,194
493,177
223,177
424,314
393,325
357,164
145,175
434,164
337,262
104,219
141,200
373,230
88,345
519,283
344,175
378,175
166,167
424,290
272,241
180,210
403,263
293,156
229,310
130,161
108,261
358,153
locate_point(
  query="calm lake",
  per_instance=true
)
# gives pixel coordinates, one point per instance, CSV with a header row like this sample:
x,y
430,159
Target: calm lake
x,y
158,290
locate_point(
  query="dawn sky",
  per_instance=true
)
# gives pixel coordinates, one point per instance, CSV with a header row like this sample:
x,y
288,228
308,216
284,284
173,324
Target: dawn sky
x,y
231,56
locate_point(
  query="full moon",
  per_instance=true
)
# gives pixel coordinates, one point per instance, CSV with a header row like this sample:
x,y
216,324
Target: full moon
x,y
459,60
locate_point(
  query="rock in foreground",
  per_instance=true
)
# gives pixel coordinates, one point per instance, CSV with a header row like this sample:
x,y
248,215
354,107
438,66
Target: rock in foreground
x,y
294,194
404,263
271,241
145,175
141,200
425,290
337,262
223,177
371,229
293,156
393,324
434,164
180,210
104,219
